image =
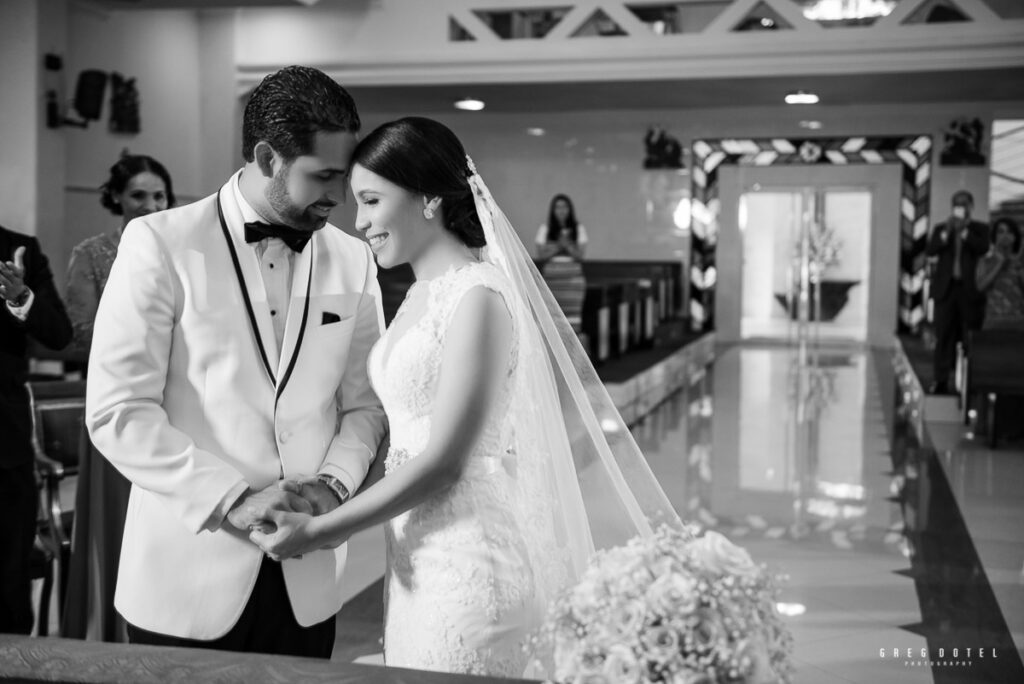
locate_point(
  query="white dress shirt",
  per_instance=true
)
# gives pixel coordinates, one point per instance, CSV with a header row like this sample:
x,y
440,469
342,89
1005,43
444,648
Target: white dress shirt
x,y
276,261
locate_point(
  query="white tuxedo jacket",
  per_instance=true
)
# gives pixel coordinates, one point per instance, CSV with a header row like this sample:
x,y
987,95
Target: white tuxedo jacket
x,y
188,396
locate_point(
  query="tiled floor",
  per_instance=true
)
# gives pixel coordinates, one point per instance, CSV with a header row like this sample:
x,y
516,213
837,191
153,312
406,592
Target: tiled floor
x,y
813,468
890,539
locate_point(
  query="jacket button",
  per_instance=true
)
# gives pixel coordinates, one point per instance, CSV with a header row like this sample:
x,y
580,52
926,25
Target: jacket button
x,y
284,436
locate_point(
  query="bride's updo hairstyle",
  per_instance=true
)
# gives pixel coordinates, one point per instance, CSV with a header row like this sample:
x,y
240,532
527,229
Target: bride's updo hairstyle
x,y
426,158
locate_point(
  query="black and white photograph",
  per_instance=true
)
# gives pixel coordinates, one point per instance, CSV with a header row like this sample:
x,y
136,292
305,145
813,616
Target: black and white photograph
x,y
582,342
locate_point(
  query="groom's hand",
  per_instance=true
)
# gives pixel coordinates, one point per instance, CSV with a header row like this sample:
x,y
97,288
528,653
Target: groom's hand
x,y
253,507
314,491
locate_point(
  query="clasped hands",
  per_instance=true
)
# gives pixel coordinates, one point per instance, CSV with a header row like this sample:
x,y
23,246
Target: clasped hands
x,y
281,518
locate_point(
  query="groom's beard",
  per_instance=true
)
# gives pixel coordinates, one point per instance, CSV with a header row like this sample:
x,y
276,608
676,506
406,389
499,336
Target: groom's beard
x,y
291,215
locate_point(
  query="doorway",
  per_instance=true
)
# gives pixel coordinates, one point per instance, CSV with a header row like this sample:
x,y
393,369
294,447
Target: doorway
x,y
806,258
811,244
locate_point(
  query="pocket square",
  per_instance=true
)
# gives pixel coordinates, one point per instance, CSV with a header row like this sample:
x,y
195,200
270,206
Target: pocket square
x,y
329,317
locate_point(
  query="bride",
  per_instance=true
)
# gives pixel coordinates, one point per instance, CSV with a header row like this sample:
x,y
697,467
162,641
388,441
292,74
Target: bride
x,y
508,464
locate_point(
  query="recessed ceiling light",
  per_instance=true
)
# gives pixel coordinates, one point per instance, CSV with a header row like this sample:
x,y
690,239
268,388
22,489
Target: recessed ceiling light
x,y
801,97
535,131
812,125
469,104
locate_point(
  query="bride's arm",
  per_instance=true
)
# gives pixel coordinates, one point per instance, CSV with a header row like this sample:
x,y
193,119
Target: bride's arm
x,y
474,366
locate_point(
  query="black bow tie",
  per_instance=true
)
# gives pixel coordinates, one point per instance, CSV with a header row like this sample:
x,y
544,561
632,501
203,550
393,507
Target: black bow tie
x,y
258,230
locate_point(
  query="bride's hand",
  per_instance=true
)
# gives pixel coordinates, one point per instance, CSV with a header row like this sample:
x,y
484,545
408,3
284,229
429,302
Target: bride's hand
x,y
290,535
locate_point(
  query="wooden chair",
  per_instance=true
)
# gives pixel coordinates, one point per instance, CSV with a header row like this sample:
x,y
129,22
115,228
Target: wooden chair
x,y
58,438
992,366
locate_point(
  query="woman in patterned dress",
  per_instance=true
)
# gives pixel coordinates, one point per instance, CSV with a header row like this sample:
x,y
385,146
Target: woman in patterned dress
x,y
138,185
1000,275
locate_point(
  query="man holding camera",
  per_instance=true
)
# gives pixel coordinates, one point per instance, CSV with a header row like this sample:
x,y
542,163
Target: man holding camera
x,y
959,306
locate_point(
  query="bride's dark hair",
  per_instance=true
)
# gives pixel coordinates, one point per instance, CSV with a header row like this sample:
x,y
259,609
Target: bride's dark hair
x,y
425,157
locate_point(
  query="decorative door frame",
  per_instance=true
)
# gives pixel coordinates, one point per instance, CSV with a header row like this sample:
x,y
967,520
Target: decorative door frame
x,y
913,153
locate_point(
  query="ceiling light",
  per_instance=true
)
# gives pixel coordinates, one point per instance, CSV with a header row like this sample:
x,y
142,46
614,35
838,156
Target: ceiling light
x,y
801,97
535,131
838,10
469,104
810,124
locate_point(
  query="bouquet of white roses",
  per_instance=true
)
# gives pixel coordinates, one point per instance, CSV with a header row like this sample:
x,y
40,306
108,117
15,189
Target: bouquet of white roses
x,y
675,608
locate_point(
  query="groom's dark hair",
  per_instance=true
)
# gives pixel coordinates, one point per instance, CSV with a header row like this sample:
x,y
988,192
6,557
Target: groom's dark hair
x,y
289,107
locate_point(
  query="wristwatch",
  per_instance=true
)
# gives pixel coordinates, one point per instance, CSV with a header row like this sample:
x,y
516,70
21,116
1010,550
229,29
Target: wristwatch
x,y
20,300
339,490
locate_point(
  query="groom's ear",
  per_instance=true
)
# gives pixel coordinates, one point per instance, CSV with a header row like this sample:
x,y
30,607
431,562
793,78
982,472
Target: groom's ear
x,y
265,156
431,202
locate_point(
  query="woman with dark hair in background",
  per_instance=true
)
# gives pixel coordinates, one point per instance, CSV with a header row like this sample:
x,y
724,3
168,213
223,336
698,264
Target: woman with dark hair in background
x,y
562,238
1000,275
485,516
138,185
561,243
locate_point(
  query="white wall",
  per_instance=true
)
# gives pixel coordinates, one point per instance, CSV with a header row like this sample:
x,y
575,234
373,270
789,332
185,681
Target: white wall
x,y
190,64
627,210
20,111
161,50
51,143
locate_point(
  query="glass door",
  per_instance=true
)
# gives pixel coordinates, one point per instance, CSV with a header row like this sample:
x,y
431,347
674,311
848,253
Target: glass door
x,y
806,254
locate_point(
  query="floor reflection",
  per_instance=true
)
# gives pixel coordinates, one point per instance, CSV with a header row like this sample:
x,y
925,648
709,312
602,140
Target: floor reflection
x,y
808,459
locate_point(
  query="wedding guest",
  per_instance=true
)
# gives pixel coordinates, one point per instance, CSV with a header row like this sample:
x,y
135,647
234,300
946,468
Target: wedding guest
x,y
214,372
31,309
561,244
959,307
562,238
1000,276
138,185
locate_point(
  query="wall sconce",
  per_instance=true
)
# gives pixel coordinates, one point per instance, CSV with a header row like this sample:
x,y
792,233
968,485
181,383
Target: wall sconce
x,y
88,102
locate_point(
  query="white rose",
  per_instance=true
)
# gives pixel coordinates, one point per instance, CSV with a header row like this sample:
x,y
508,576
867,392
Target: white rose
x,y
673,594
629,617
719,555
621,665
586,601
706,633
661,643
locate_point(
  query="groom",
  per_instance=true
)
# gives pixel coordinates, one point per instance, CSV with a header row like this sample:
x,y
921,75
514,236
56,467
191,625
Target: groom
x,y
230,352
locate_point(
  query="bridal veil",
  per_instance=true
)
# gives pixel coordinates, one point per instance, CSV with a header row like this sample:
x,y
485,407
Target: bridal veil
x,y
582,482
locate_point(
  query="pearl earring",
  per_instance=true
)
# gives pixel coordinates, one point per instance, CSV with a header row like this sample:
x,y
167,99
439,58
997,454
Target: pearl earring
x,y
428,213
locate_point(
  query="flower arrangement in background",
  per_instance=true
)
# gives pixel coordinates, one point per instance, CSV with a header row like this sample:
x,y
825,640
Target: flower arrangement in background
x,y
675,608
823,251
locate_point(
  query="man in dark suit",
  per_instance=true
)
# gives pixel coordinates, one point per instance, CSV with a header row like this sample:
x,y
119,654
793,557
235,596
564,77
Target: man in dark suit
x,y
31,308
959,307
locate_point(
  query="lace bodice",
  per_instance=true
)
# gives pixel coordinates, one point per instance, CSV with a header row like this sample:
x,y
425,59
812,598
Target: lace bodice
x,y
404,370
88,270
460,593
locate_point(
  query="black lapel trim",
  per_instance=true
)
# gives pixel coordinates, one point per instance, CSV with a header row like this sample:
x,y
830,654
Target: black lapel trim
x,y
245,292
302,328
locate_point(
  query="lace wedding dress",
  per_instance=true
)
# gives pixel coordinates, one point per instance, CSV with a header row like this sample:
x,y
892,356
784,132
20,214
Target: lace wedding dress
x,y
460,586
